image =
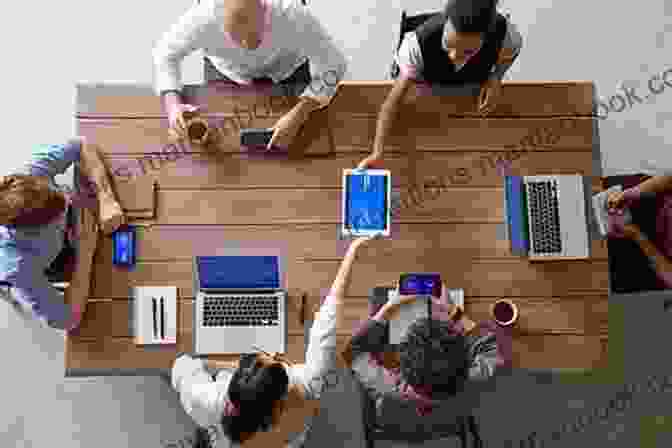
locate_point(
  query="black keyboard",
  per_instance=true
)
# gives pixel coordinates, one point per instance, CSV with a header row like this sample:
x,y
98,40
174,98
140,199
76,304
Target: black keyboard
x,y
255,311
544,215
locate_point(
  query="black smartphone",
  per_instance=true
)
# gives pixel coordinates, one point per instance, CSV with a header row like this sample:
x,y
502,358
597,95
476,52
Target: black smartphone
x,y
255,137
420,284
124,246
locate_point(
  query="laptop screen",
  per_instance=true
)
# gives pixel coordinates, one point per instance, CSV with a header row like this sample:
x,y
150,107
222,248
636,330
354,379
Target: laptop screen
x,y
238,272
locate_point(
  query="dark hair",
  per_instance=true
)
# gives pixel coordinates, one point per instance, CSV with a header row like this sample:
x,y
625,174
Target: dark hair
x,y
29,200
254,389
471,16
433,355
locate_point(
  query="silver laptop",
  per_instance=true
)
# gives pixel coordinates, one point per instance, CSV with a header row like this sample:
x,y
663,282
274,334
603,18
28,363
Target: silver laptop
x,y
239,303
556,212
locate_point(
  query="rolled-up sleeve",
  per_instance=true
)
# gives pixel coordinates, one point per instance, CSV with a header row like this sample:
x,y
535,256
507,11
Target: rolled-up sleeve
x,y
183,38
52,160
327,62
199,396
489,351
321,354
409,58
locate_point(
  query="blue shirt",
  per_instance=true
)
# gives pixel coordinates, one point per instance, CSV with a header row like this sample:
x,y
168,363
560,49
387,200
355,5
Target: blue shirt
x,y
26,251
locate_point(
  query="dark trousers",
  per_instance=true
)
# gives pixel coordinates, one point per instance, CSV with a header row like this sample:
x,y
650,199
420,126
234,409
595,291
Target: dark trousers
x,y
293,85
629,268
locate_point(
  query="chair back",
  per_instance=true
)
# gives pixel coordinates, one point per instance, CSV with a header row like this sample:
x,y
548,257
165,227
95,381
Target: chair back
x,y
406,24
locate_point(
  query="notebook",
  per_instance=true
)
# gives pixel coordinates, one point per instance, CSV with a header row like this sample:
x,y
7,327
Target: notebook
x,y
240,302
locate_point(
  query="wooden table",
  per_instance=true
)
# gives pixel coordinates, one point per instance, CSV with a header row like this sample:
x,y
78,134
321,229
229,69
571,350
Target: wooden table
x,y
206,200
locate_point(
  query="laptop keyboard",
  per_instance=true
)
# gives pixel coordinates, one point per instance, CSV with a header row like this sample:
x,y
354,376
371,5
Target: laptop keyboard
x,y
544,215
255,311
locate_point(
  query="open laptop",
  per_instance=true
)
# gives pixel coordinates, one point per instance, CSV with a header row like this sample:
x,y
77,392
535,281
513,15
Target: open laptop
x,y
239,303
556,217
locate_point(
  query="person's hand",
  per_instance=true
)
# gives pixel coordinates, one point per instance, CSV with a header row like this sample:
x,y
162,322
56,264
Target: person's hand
x,y
490,93
370,162
440,307
616,200
178,115
285,130
111,216
357,242
618,229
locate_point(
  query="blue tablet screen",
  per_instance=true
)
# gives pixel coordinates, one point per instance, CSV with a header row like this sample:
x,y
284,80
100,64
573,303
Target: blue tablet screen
x,y
366,205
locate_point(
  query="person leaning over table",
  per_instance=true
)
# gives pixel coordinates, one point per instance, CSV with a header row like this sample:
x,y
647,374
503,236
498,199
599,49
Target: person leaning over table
x,y
469,42
265,400
248,41
461,351
33,228
659,249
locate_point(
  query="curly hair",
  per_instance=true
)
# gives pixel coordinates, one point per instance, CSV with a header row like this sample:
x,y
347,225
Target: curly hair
x,y
471,16
254,389
29,200
433,354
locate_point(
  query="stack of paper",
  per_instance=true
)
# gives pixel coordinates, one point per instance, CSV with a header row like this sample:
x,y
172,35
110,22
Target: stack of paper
x,y
155,314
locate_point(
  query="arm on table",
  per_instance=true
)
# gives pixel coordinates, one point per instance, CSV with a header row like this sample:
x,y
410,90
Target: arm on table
x,y
323,334
93,167
653,185
388,113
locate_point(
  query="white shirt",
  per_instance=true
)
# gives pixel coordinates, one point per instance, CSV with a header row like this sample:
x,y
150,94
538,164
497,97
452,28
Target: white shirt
x,y
290,35
204,399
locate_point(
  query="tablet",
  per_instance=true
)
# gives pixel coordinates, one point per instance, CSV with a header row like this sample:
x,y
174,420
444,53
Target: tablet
x,y
366,202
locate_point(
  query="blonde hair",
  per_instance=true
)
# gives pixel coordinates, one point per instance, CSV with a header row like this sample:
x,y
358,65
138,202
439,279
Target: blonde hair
x,y
29,200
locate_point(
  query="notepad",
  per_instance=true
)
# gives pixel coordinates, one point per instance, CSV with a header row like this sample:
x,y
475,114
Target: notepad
x,y
146,307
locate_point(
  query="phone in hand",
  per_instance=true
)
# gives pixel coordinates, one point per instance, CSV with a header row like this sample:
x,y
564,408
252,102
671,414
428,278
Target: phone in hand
x,y
124,246
420,284
253,137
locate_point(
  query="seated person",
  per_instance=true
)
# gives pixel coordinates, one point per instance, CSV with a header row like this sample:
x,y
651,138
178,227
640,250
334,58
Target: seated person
x,y
460,351
468,43
650,201
265,400
252,40
33,227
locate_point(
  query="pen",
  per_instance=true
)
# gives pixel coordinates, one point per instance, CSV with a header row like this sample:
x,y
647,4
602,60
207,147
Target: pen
x,y
154,314
163,327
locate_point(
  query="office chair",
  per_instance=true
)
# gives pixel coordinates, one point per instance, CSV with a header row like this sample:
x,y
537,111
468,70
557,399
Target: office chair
x,y
407,24
461,427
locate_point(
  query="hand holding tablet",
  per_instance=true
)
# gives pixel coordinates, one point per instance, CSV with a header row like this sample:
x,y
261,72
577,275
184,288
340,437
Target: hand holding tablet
x,y
366,202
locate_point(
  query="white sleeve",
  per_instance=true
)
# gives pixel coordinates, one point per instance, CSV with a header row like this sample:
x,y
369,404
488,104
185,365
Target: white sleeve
x,y
198,392
321,354
409,57
183,38
327,63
